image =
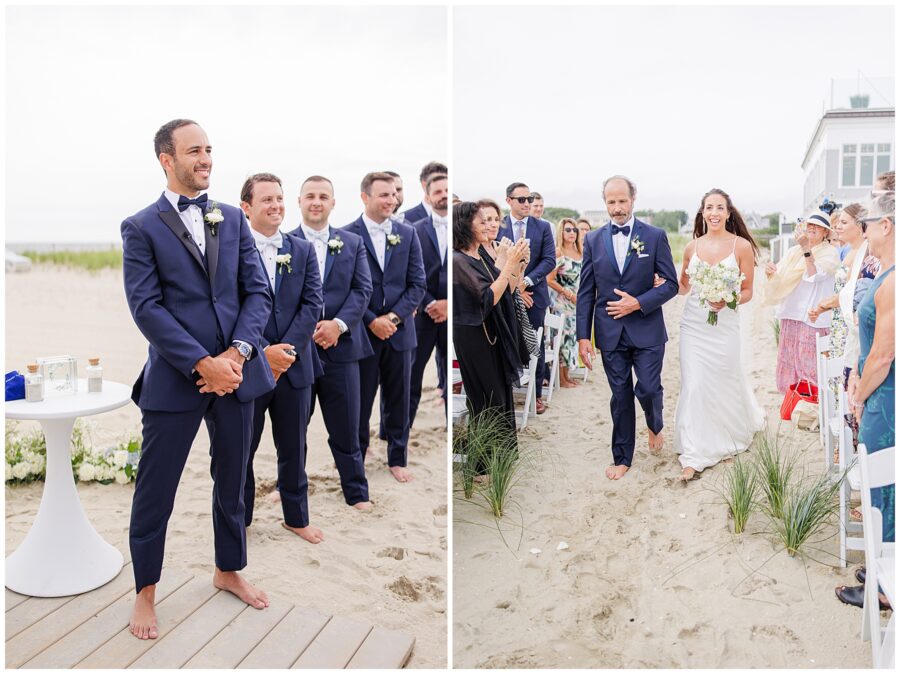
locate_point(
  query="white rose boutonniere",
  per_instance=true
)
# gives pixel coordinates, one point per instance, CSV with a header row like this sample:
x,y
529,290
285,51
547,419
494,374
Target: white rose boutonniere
x,y
393,239
637,245
335,245
213,217
283,261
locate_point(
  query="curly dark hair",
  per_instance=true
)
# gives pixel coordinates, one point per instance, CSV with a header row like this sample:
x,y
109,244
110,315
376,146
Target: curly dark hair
x,y
463,214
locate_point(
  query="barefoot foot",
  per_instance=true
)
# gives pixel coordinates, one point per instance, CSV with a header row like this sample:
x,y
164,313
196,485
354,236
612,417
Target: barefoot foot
x,y
400,474
143,617
481,479
687,474
364,506
308,533
231,581
656,442
616,472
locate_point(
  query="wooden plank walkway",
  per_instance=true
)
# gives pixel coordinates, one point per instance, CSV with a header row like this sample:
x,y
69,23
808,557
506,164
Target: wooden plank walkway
x,y
200,627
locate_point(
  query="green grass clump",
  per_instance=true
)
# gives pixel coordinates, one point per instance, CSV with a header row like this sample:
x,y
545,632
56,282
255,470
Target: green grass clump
x,y
807,506
774,470
740,492
91,260
776,329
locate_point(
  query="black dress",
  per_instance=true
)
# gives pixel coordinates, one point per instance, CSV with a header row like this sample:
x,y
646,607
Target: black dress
x,y
488,344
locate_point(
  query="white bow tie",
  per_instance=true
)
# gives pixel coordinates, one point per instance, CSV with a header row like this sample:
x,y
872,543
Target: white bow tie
x,y
322,236
275,240
385,227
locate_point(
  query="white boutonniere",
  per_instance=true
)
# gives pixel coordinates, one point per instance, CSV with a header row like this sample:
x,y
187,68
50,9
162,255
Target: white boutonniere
x,y
393,239
213,217
637,245
335,245
283,261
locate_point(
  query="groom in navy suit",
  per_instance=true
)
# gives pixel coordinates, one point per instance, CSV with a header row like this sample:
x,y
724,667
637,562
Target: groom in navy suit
x,y
533,287
293,273
617,297
398,285
197,292
340,336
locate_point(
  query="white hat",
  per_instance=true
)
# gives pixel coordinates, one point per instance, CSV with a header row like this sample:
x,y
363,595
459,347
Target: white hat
x,y
819,219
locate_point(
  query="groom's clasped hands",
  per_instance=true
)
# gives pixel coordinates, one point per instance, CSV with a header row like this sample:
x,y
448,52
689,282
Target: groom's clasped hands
x,y
220,375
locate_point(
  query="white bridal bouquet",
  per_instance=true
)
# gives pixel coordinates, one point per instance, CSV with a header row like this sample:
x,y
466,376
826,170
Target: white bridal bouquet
x,y
717,283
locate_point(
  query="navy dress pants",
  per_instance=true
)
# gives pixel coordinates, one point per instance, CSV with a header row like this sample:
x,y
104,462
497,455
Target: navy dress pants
x,y
391,370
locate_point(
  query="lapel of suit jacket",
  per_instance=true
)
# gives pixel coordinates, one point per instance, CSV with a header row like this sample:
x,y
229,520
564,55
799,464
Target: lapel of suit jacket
x,y
506,230
212,248
173,221
329,255
629,253
388,248
606,238
364,233
281,270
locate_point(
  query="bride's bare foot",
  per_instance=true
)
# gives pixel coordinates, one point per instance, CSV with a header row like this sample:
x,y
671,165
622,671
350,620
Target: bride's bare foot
x,y
231,581
364,506
616,472
143,617
401,474
687,474
308,533
656,442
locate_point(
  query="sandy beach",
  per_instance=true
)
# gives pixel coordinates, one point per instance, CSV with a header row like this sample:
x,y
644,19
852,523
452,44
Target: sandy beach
x,y
653,576
387,567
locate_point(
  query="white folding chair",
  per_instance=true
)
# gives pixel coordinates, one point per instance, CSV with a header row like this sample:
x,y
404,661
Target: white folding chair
x,y
851,533
877,470
830,421
551,352
455,374
459,412
526,386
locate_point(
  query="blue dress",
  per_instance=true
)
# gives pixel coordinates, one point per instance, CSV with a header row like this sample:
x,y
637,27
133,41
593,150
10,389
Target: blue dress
x,y
876,429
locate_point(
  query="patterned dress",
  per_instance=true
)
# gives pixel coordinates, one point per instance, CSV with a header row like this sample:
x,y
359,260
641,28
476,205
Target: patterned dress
x,y
876,429
568,274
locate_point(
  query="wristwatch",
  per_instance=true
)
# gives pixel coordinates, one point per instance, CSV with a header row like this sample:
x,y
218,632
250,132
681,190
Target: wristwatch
x,y
394,318
807,253
243,348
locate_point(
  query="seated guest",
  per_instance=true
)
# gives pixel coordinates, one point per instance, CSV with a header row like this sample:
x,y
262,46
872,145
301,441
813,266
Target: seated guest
x,y
803,278
489,347
291,267
564,280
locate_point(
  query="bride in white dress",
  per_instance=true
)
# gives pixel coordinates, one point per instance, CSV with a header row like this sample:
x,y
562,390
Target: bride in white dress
x,y
717,414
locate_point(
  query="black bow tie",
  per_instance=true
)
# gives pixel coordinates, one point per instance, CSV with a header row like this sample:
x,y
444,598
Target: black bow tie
x,y
624,229
184,202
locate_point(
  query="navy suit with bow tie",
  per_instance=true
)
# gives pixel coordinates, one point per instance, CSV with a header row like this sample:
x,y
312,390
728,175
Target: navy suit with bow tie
x,y
189,306
541,263
399,287
637,341
296,306
430,336
347,287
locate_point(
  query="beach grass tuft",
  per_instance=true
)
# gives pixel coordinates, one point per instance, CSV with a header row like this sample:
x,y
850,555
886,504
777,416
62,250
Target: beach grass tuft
x,y
90,260
774,470
807,506
740,491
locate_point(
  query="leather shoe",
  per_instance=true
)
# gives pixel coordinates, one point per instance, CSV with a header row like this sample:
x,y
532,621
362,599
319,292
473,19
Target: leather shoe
x,y
861,575
854,596
539,406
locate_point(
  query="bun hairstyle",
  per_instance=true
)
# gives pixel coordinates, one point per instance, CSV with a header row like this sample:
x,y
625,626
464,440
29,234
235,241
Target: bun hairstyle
x,y
734,223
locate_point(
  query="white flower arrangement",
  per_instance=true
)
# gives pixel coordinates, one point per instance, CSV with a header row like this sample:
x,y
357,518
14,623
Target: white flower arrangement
x,y
335,245
393,239
283,261
716,283
637,245
213,217
841,275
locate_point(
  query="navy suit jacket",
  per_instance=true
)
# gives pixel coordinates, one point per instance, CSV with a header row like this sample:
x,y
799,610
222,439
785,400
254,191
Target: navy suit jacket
x,y
296,310
543,255
189,307
400,286
416,213
435,267
347,289
600,277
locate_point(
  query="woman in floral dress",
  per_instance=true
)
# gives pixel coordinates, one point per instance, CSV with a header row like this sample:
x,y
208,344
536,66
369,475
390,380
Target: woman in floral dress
x,y
564,280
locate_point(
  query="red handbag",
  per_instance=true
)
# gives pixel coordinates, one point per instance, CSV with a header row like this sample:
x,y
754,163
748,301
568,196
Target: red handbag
x,y
802,390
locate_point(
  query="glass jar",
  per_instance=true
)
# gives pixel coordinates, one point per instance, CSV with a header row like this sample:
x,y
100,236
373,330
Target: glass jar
x,y
94,375
34,384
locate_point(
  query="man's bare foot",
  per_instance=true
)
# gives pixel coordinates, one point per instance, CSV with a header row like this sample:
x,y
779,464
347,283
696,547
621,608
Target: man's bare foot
x,y
687,474
481,479
616,472
401,474
364,506
274,496
656,442
308,533
143,617
568,383
231,581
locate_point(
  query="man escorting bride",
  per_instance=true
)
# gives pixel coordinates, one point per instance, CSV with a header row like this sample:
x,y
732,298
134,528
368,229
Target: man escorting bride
x,y
627,275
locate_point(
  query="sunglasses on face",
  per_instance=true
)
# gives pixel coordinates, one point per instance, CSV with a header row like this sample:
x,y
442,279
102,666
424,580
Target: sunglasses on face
x,y
522,200
864,223
570,230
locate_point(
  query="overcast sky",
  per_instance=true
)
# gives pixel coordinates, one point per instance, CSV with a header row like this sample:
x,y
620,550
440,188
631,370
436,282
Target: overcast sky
x,y
681,99
290,90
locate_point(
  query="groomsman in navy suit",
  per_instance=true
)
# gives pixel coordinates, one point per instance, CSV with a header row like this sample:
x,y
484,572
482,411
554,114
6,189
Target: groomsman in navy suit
x,y
398,282
537,212
398,185
618,299
293,273
431,319
423,210
340,336
197,292
533,288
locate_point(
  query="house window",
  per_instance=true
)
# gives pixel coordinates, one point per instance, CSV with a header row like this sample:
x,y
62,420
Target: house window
x,y
883,158
848,168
